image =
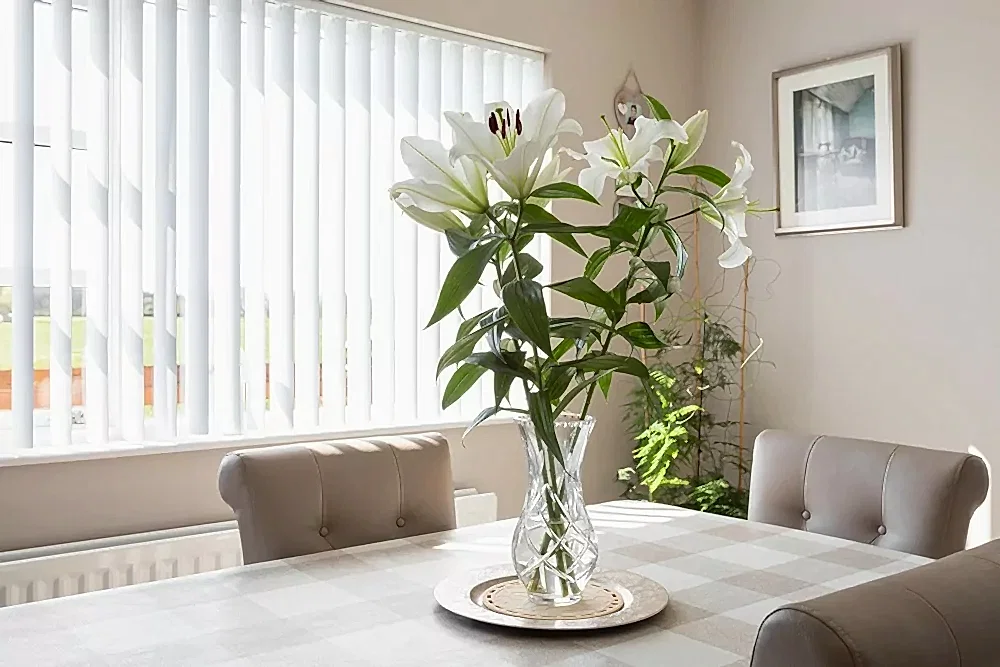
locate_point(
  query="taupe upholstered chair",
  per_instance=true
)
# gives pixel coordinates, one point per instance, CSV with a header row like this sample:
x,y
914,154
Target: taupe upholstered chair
x,y
306,498
945,614
905,498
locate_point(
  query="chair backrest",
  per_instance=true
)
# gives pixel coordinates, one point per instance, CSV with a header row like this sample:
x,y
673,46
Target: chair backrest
x,y
905,498
944,614
299,499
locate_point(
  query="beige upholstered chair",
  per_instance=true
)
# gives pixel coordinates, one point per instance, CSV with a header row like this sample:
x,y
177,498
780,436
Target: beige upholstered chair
x,y
305,498
945,614
905,498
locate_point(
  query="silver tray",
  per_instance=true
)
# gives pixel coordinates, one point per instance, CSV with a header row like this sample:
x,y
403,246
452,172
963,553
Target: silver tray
x,y
462,594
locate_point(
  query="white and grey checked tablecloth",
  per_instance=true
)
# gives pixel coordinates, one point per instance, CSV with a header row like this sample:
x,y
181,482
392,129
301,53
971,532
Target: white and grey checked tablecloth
x,y
374,605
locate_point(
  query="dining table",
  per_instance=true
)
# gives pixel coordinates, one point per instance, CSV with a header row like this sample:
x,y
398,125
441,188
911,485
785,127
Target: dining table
x,y
374,604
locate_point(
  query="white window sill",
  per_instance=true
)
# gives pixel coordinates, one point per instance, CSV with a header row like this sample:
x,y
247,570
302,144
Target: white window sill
x,y
22,457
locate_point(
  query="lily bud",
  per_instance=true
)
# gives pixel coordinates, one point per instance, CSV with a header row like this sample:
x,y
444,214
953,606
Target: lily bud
x,y
696,126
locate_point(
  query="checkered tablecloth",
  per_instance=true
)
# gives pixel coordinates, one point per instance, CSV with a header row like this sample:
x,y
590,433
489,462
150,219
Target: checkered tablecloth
x,y
374,605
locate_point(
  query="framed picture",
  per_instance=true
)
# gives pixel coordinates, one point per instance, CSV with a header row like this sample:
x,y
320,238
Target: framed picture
x,y
838,145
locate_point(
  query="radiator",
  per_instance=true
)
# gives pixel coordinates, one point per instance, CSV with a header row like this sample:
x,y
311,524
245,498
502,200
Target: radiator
x,y
42,573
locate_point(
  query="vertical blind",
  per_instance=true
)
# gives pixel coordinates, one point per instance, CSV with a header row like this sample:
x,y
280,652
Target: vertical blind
x,y
195,231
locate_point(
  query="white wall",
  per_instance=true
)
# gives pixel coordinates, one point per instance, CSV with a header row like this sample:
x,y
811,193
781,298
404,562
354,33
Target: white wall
x,y
892,334
592,43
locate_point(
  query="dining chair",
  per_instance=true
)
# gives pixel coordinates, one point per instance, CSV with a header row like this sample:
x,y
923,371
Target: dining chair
x,y
905,498
305,498
944,614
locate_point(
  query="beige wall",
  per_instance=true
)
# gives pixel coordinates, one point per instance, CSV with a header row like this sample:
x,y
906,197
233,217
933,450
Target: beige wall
x,y
592,45
890,334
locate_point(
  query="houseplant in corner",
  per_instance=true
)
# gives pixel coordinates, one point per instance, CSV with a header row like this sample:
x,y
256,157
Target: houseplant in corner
x,y
489,194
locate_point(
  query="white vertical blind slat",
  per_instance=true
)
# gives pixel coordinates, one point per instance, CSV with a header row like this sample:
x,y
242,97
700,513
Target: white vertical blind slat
x,y
133,386
381,224
280,118
407,322
165,262
428,241
225,188
357,196
196,343
451,100
254,198
473,102
306,236
22,371
332,162
98,220
61,281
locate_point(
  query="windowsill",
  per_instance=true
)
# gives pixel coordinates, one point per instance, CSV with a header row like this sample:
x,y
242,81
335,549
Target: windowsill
x,y
22,457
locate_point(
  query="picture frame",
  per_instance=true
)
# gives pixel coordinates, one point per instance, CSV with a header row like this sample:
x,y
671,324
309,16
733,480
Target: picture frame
x,y
838,144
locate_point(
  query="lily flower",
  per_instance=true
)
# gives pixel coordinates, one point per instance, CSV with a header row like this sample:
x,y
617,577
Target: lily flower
x,y
513,144
626,160
439,185
731,201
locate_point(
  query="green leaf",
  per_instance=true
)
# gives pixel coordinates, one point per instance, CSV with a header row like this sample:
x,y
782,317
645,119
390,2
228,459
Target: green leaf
x,y
586,290
490,361
467,327
577,388
526,306
570,242
596,262
459,241
604,382
677,246
522,241
558,380
462,278
480,418
641,335
562,348
631,219
610,362
530,268
706,173
575,327
697,195
649,295
463,379
463,347
563,191
656,106
501,387
661,270
540,411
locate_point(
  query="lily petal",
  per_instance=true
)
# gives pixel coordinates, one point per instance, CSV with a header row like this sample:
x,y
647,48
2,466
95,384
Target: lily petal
x,y
696,127
432,197
744,168
429,163
593,178
472,137
543,115
439,222
735,256
648,133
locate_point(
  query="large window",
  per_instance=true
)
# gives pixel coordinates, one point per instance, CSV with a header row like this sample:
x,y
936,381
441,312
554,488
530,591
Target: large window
x,y
195,232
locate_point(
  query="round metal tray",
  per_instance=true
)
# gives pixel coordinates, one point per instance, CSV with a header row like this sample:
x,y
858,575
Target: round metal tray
x,y
463,594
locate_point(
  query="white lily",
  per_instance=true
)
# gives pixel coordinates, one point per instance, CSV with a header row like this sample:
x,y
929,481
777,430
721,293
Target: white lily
x,y
512,145
439,185
731,201
624,159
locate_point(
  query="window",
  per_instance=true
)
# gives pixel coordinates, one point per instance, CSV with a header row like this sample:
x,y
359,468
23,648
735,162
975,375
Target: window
x,y
195,232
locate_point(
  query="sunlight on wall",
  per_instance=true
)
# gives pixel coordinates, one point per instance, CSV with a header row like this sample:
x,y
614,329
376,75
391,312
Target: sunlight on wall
x,y
981,526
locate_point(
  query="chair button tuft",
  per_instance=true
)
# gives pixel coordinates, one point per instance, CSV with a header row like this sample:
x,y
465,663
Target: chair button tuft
x,y
806,515
400,522
324,531
881,530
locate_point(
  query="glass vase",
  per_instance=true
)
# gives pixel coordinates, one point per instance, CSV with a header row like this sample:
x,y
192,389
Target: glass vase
x,y
555,546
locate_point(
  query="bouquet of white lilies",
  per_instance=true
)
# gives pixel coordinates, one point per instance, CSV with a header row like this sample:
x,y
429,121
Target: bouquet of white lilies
x,y
555,360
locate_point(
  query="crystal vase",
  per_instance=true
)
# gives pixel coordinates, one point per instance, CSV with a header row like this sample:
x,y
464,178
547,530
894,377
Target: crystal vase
x,y
555,547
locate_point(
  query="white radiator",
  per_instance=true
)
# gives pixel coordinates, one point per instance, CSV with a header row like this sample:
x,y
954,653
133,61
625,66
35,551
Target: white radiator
x,y
42,573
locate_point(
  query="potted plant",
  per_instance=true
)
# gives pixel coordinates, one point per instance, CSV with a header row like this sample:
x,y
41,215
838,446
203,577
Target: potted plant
x,y
489,194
